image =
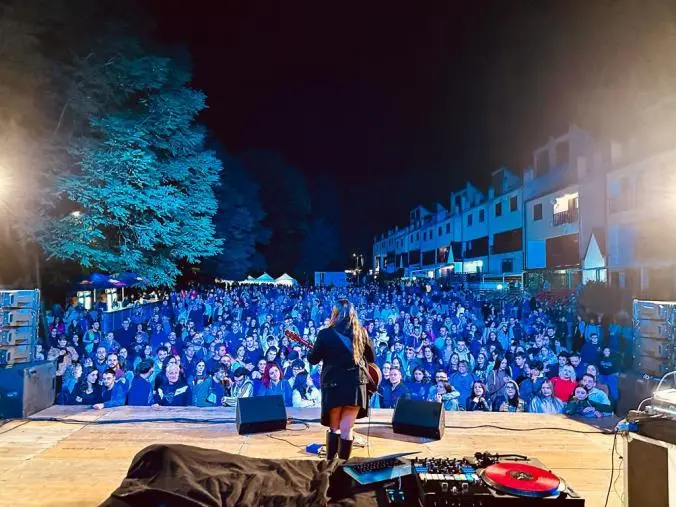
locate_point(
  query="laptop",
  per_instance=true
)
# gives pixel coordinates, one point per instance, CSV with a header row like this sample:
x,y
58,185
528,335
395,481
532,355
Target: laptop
x,y
383,468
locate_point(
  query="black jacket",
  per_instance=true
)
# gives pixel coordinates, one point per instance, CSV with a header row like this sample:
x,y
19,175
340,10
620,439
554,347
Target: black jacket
x,y
343,382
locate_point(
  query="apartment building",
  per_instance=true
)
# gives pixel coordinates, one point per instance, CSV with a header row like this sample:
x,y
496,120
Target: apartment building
x,y
582,212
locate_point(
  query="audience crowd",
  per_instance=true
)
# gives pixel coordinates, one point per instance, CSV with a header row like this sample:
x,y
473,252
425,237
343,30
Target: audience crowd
x,y
207,347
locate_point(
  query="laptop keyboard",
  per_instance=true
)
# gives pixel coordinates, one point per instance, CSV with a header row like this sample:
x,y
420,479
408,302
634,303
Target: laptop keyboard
x,y
375,465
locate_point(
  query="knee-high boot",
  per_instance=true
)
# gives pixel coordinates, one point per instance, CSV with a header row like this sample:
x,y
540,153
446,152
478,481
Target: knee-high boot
x,y
345,448
331,444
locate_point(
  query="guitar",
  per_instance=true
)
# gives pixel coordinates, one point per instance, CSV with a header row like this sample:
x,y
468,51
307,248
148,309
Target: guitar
x,y
373,374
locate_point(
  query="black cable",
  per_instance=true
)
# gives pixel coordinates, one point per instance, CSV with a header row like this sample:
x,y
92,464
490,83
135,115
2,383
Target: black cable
x,y
291,420
306,422
285,440
612,469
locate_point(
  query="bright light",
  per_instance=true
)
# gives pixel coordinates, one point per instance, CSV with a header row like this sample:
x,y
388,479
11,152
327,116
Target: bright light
x,y
562,203
499,287
76,214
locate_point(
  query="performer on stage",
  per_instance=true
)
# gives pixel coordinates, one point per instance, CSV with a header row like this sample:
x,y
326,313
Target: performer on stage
x,y
344,347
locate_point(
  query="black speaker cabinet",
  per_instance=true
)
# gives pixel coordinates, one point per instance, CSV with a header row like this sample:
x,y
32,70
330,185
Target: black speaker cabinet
x,y
260,414
419,418
649,471
26,388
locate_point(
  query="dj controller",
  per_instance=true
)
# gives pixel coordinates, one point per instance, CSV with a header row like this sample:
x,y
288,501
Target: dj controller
x,y
488,480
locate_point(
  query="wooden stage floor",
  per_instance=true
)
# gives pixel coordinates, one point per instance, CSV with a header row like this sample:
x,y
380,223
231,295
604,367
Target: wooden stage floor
x,y
79,463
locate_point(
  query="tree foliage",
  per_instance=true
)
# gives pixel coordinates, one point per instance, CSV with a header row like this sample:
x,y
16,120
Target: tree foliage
x,y
238,222
286,201
144,185
119,144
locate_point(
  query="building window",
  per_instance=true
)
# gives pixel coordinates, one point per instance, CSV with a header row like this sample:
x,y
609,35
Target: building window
x,y
424,236
482,216
469,219
417,236
507,265
498,209
537,212
566,209
513,204
448,228
439,231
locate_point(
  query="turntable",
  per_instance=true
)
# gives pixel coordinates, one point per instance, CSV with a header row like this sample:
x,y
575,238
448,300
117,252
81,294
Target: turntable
x,y
490,480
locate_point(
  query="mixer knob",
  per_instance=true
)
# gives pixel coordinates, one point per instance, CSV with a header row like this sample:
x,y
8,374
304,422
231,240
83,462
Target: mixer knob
x,y
444,487
454,490
465,487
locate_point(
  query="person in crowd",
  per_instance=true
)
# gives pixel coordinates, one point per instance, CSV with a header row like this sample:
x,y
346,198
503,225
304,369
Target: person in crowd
x,y
555,369
594,372
462,381
510,401
444,393
609,367
530,387
87,391
576,362
92,337
418,387
305,394
109,343
497,378
580,405
272,384
140,389
481,367
240,386
101,361
596,396
211,391
564,384
590,352
544,402
71,378
396,389
477,401
113,394
173,390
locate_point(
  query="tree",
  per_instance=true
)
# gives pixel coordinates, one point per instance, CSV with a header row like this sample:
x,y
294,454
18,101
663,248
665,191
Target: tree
x,y
320,247
286,201
142,191
238,222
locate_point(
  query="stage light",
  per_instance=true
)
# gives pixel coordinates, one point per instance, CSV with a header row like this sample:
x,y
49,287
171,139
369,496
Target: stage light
x,y
499,287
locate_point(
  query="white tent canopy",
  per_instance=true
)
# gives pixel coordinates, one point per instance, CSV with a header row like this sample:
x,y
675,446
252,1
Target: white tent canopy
x,y
265,278
286,279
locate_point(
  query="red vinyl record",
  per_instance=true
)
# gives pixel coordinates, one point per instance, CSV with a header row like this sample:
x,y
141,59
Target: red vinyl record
x,y
521,479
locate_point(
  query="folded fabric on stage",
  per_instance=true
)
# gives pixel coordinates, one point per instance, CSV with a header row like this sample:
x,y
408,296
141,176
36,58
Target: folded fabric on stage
x,y
183,475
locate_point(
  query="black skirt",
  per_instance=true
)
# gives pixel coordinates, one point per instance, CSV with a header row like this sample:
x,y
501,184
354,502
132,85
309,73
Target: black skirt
x,y
351,393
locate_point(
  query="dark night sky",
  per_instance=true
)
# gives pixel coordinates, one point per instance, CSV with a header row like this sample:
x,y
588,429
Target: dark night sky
x,y
402,102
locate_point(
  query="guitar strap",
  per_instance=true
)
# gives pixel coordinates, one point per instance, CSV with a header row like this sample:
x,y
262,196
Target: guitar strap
x,y
348,345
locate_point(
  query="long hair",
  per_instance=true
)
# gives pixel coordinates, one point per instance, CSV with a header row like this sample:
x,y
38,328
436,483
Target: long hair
x,y
300,384
265,378
344,318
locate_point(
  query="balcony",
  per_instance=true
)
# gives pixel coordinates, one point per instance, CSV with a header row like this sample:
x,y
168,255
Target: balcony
x,y
570,216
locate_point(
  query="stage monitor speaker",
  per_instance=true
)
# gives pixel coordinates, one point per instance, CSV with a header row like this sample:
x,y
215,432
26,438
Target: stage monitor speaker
x,y
260,414
26,389
419,418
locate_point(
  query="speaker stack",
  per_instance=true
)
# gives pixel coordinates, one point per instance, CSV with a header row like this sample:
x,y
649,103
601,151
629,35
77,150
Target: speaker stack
x,y
26,386
654,337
